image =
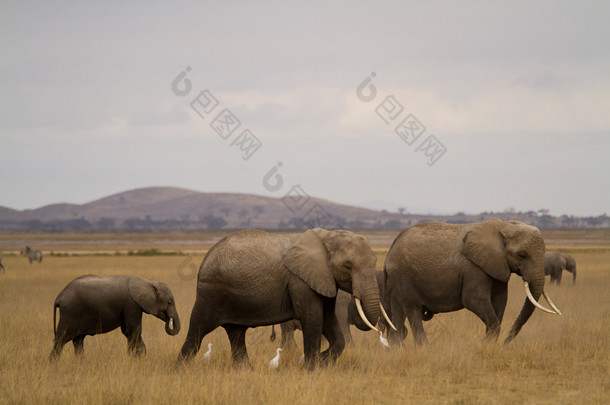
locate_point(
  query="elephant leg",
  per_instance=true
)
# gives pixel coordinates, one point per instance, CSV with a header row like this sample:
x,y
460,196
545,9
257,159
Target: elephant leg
x,y
559,274
477,293
398,316
239,353
79,347
135,344
309,309
58,346
499,295
63,335
287,334
312,342
332,332
202,322
414,314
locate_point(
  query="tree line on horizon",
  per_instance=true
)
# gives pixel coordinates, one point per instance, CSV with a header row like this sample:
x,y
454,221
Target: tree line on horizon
x,y
385,221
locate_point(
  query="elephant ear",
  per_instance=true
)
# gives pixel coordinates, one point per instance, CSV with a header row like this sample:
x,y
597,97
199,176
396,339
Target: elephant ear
x,y
144,293
484,246
309,259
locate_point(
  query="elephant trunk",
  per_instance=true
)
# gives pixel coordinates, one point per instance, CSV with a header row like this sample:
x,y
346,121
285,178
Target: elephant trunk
x,y
369,296
574,275
172,326
536,286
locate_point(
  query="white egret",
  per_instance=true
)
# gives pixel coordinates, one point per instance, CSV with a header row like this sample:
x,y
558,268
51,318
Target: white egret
x,y
207,355
384,341
275,362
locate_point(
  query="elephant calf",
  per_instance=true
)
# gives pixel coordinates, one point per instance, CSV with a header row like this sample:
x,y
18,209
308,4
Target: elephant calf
x,y
94,304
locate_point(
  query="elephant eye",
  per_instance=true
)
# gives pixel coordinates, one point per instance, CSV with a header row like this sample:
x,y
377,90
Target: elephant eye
x,y
348,265
523,254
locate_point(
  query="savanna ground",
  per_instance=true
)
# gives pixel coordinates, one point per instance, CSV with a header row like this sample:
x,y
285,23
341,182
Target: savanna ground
x,y
554,360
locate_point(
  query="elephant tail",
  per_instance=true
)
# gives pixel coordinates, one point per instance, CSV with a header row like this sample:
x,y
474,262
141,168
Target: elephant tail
x,y
55,306
272,337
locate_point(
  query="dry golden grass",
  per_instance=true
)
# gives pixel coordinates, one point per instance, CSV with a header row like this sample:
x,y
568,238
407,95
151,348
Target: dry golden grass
x,y
554,360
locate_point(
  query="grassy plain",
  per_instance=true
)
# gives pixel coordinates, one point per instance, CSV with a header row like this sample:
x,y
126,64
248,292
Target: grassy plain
x,y
554,360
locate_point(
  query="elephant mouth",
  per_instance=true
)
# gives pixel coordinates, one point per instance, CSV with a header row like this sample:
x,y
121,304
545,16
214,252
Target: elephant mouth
x,y
366,321
554,310
172,327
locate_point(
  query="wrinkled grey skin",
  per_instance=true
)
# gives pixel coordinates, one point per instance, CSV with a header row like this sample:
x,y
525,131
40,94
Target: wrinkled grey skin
x,y
436,267
555,263
32,255
92,304
254,278
288,328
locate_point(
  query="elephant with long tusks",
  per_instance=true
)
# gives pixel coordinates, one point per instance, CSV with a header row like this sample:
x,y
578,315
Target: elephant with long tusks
x,y
254,278
436,267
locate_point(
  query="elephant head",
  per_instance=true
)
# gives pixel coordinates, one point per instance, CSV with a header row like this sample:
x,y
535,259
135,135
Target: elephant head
x,y
501,248
156,298
327,260
571,267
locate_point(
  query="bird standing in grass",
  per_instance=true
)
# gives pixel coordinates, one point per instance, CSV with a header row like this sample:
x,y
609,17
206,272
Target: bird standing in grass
x,y
207,355
275,362
384,341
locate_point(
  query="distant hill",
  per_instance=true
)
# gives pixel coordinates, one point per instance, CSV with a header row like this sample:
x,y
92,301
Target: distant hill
x,y
170,208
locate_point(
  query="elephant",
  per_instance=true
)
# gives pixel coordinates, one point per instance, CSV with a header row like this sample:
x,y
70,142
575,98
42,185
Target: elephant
x,y
32,255
341,308
555,263
436,267
93,304
253,278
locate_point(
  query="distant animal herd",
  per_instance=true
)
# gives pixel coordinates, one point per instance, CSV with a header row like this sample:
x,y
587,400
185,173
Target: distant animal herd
x,y
322,281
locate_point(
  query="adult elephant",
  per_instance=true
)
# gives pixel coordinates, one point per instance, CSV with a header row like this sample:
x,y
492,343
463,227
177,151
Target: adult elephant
x,y
437,267
93,304
254,278
555,263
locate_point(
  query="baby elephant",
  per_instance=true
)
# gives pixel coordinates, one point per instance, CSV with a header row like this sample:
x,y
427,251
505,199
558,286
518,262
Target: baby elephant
x,y
92,304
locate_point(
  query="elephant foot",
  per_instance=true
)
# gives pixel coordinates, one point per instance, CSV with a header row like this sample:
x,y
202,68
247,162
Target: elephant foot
x,y
492,337
180,361
309,365
328,357
137,353
54,356
420,341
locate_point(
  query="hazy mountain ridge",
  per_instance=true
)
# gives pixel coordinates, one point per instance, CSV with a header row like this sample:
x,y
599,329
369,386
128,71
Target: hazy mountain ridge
x,y
171,208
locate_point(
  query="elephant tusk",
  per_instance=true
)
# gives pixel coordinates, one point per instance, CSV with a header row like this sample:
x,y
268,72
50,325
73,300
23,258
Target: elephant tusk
x,y
548,299
361,313
171,323
531,298
386,317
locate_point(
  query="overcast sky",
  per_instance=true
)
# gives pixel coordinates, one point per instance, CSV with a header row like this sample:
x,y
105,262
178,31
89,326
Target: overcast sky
x,y
511,102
